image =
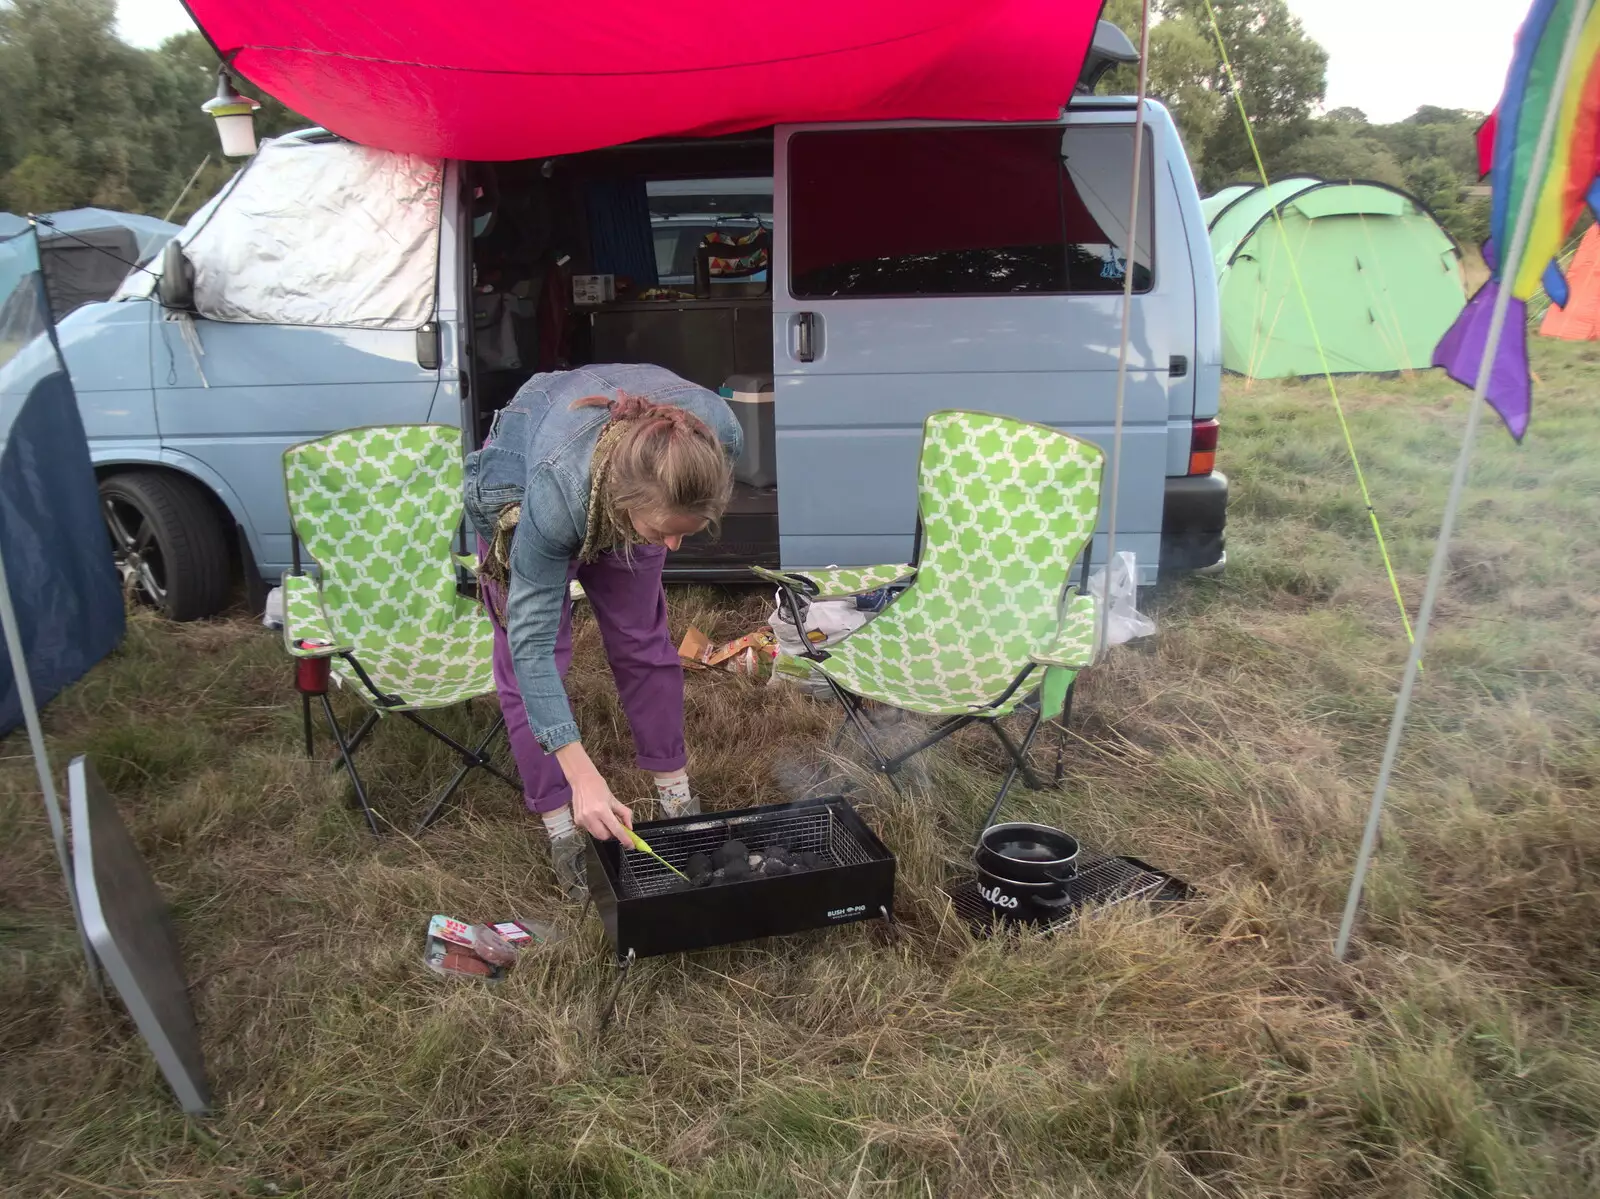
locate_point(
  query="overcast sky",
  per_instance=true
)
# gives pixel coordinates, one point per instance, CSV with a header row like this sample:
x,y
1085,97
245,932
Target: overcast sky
x,y
1385,57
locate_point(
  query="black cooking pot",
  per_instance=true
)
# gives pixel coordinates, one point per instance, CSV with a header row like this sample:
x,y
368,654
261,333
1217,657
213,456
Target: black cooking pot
x,y
1019,900
1027,853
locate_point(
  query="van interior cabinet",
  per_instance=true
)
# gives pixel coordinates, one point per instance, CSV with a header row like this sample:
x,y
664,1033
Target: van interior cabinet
x,y
704,341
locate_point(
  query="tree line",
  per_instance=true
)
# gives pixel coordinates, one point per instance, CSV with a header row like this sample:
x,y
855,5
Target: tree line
x,y
86,119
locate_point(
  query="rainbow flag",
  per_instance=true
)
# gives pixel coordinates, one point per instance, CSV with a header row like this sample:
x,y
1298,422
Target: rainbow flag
x,y
1568,183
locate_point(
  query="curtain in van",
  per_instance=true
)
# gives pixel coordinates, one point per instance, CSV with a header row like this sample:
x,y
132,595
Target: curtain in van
x,y
619,230
525,80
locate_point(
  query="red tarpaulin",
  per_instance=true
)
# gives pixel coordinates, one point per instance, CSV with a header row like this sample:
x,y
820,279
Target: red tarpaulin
x,y
522,80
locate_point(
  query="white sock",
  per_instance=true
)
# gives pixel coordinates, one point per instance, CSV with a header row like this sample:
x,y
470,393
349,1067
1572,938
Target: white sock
x,y
673,792
559,823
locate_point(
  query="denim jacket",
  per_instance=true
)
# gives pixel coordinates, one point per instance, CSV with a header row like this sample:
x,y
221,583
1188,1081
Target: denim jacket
x,y
538,455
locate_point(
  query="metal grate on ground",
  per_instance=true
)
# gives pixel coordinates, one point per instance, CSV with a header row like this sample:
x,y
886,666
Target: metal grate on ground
x,y
814,830
1102,881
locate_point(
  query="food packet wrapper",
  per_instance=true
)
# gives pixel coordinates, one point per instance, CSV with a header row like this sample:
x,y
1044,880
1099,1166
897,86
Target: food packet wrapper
x,y
492,947
452,949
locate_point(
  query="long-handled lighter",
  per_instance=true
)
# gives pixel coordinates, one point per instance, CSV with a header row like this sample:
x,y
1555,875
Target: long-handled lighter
x,y
640,843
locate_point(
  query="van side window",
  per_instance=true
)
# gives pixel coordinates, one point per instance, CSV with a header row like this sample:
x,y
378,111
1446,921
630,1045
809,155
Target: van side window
x,y
971,211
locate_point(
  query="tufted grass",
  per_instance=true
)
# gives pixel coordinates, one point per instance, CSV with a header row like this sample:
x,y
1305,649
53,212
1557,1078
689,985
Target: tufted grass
x,y
1215,1050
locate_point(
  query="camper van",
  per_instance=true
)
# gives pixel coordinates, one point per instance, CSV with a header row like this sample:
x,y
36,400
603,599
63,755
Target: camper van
x,y
840,282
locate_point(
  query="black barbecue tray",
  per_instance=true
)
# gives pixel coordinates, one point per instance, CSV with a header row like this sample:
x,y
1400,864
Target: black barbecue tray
x,y
644,914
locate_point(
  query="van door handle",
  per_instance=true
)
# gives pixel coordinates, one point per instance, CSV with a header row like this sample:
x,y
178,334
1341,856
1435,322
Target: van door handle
x,y
1178,366
428,346
805,337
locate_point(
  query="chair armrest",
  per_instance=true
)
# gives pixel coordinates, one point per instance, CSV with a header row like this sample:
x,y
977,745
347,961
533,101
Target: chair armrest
x,y
304,619
1072,647
836,582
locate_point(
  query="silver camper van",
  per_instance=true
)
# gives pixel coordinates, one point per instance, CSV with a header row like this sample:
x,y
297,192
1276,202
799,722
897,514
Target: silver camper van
x,y
845,280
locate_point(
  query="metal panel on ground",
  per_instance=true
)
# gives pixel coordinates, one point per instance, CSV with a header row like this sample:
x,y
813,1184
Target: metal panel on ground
x,y
130,927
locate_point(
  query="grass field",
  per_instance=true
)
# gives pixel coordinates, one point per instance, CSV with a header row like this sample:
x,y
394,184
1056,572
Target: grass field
x,y
1211,1049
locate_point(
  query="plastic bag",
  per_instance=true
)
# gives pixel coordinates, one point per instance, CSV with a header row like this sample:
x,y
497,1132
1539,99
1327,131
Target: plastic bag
x,y
273,616
1125,621
827,622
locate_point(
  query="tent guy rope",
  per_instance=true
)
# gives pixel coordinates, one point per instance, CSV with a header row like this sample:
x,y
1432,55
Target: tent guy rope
x,y
1130,259
1322,356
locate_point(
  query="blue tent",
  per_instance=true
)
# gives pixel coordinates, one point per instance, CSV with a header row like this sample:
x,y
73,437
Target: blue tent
x,y
63,585
61,607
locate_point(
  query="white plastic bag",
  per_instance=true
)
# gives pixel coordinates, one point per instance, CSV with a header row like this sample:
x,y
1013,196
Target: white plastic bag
x,y
827,622
1125,621
273,617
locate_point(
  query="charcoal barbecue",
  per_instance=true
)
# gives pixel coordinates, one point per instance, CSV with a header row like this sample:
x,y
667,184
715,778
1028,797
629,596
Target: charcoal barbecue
x,y
845,874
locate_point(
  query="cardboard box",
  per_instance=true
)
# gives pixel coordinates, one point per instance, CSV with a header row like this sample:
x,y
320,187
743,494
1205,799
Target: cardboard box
x,y
593,289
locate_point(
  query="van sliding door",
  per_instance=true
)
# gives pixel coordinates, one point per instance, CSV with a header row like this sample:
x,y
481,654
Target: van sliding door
x,y
920,267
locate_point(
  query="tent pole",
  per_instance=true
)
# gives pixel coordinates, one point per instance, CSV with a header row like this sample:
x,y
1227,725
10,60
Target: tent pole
x,y
41,762
1130,258
203,163
1458,482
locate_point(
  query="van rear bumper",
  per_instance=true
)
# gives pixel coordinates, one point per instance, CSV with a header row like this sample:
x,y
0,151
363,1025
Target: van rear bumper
x,y
1194,520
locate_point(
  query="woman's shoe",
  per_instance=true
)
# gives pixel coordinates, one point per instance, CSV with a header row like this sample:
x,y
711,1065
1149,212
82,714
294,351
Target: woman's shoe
x,y
567,856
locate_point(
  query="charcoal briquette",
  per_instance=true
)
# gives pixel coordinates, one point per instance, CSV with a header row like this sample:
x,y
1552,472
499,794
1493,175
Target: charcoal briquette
x,y
731,851
775,867
698,864
736,870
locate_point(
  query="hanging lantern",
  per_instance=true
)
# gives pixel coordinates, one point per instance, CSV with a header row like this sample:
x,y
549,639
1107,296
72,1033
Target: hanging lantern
x,y
235,114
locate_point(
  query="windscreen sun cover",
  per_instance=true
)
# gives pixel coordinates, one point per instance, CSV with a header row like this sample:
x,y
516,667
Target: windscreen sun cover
x,y
521,79
321,233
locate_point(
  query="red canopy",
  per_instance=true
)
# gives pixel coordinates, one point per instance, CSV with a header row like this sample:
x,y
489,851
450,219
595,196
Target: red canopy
x,y
516,79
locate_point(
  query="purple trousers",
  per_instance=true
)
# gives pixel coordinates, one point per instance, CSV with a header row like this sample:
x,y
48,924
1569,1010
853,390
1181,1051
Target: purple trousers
x,y
630,606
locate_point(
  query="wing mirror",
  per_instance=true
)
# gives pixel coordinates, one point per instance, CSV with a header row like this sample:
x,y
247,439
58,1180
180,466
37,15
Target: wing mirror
x,y
176,286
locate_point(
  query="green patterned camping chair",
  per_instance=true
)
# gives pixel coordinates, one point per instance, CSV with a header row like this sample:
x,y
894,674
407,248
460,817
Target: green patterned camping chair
x,y
988,624
378,508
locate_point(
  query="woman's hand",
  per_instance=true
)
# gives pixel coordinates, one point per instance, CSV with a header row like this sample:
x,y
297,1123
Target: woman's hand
x,y
594,809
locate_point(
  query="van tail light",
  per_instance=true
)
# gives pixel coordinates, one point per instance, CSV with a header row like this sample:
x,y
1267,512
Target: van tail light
x,y
1203,447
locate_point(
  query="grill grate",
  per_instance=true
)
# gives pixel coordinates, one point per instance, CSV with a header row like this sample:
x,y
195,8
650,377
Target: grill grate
x,y
815,830
1101,881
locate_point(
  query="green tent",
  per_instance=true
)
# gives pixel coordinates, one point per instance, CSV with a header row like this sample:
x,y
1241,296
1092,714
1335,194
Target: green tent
x,y
1211,205
1383,279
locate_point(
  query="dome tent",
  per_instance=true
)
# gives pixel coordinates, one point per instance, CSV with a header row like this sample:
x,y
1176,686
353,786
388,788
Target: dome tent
x,y
85,252
1211,205
1382,277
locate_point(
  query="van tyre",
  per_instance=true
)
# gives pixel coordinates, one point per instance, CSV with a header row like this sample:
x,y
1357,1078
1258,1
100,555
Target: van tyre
x,y
169,543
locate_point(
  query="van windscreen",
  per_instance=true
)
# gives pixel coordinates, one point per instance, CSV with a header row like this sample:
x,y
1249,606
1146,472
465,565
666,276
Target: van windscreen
x,y
976,210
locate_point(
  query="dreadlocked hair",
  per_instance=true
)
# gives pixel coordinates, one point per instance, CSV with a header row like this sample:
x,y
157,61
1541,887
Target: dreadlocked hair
x,y
656,460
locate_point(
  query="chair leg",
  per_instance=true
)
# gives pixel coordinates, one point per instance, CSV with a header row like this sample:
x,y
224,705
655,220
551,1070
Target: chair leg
x,y
305,717
1061,730
623,966
349,764
1020,756
362,730
854,716
469,760
1018,765
954,725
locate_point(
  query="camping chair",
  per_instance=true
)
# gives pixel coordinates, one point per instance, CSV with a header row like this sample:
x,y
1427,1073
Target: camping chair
x,y
378,508
988,621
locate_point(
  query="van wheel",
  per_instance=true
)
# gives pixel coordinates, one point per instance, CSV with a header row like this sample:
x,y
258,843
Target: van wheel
x,y
168,543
